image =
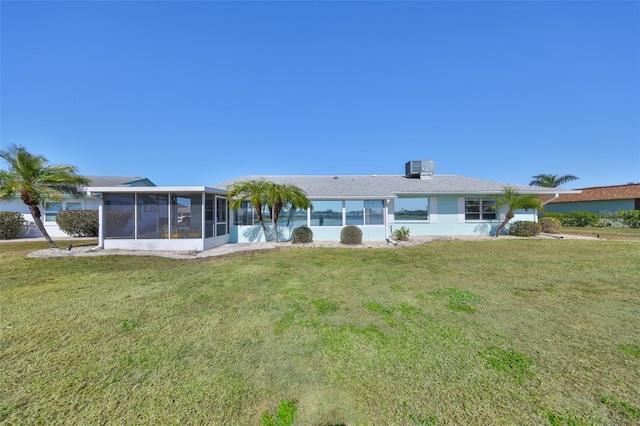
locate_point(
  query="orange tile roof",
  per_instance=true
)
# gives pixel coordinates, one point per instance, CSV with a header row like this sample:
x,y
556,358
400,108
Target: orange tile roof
x,y
617,192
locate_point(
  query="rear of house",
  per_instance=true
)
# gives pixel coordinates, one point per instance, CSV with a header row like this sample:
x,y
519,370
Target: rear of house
x,y
198,218
420,200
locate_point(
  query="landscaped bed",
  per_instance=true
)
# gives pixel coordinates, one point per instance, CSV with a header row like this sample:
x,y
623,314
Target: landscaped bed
x,y
506,331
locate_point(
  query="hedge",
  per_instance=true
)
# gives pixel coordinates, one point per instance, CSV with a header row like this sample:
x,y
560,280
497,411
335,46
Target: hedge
x,y
11,224
78,223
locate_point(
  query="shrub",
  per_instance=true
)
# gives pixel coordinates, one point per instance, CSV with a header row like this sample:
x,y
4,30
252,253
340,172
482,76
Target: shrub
x,y
630,218
582,219
550,225
401,234
575,218
524,228
351,235
302,234
78,223
11,224
556,215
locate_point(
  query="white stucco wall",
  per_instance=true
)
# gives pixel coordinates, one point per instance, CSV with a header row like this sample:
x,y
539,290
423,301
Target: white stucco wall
x,y
30,229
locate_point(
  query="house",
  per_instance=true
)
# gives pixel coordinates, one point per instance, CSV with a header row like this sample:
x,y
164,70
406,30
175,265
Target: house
x,y
50,208
424,202
598,199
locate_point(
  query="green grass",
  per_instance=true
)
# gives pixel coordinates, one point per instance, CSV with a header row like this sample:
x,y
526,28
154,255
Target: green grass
x,y
322,336
607,233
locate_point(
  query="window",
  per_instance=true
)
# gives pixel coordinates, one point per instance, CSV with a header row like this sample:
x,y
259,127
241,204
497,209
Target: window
x,y
73,206
119,210
153,216
369,212
373,212
479,209
292,216
208,215
244,215
326,213
355,212
411,209
51,209
221,216
186,216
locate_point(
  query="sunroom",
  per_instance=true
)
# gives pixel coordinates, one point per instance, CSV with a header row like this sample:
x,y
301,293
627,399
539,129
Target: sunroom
x,y
189,218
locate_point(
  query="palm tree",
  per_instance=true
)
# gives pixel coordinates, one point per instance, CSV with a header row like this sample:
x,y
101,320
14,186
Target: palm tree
x,y
252,190
36,181
262,194
513,200
281,195
551,181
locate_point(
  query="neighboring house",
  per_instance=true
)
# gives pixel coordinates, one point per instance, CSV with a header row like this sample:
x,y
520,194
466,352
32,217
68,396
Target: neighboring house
x,y
426,203
51,208
598,199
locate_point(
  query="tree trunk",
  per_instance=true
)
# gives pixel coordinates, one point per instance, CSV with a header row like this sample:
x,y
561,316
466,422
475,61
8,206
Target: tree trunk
x,y
506,220
35,212
275,213
292,211
261,220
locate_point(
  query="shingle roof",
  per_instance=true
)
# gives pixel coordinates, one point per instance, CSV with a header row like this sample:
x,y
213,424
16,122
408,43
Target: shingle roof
x,y
386,186
616,192
118,181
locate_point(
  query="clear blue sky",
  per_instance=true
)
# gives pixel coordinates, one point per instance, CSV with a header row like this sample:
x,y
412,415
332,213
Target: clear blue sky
x,y
196,93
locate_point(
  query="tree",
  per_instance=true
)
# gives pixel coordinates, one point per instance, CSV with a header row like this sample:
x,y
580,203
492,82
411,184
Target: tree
x,y
513,200
281,195
272,195
35,180
253,191
551,181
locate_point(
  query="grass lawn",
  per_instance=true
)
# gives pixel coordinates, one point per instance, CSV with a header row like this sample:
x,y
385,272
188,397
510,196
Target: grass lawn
x,y
608,233
496,332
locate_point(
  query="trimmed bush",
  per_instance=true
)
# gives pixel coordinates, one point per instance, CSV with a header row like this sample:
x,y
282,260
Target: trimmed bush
x,y
550,225
78,223
524,228
11,224
302,234
351,235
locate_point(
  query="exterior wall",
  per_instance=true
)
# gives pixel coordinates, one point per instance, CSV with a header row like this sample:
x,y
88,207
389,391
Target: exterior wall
x,y
254,233
181,244
446,218
30,230
591,206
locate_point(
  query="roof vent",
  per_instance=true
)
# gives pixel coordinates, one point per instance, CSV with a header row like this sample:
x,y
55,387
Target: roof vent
x,y
420,168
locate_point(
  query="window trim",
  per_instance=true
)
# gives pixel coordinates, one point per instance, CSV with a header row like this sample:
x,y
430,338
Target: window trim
x,y
409,221
63,207
481,209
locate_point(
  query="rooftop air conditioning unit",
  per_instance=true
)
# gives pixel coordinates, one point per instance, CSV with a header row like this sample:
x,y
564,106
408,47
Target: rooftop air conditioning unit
x,y
420,168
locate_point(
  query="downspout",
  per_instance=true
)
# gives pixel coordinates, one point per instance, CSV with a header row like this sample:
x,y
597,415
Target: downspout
x,y
100,245
386,224
386,220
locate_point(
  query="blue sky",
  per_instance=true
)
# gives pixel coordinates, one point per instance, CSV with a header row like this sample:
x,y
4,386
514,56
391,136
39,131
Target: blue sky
x,y
196,93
